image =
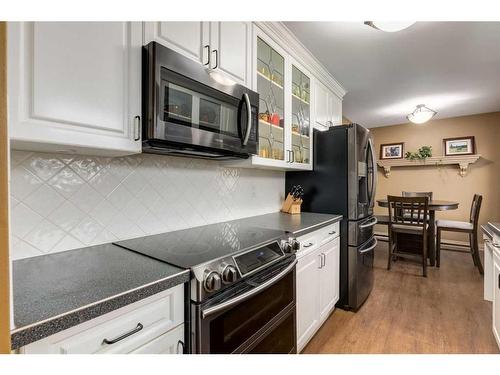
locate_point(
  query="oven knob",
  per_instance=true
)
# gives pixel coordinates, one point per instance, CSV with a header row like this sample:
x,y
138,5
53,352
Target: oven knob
x,y
212,282
295,245
229,274
287,247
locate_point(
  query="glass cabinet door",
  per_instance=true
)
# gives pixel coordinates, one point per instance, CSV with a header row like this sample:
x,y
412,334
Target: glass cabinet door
x,y
270,86
301,110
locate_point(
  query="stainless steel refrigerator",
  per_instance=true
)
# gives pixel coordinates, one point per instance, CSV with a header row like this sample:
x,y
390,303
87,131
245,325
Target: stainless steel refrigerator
x,y
343,182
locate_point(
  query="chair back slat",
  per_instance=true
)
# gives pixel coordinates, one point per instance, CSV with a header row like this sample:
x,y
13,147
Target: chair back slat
x,y
417,207
417,194
475,208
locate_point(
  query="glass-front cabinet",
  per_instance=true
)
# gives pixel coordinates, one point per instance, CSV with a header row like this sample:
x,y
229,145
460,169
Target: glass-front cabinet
x,y
284,89
301,116
270,86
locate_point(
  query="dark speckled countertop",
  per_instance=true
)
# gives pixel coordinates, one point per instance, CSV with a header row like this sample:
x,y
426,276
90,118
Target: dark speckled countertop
x,y
57,291
296,224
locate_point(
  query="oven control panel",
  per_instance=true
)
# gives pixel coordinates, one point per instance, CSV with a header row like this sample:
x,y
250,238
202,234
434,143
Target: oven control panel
x,y
255,259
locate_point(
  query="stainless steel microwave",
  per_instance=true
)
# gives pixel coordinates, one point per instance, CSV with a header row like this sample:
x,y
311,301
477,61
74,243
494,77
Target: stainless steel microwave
x,y
187,112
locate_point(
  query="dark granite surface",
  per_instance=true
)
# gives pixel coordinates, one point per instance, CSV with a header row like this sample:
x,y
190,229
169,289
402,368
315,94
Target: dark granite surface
x,y
297,224
57,291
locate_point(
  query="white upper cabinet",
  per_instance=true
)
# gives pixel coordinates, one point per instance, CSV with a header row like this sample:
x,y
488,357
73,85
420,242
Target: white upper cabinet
x,y
328,107
231,49
75,87
190,39
224,47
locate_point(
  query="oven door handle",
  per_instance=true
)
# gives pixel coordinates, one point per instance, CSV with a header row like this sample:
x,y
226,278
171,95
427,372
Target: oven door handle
x,y
224,305
249,118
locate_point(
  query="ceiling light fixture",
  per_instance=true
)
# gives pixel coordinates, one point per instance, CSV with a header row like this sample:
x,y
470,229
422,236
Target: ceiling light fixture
x,y
389,27
421,114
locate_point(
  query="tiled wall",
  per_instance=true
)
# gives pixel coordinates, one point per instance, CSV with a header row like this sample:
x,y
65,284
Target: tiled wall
x,y
61,202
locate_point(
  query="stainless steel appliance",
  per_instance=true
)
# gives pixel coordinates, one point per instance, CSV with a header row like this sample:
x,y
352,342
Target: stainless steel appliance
x,y
242,289
343,182
187,112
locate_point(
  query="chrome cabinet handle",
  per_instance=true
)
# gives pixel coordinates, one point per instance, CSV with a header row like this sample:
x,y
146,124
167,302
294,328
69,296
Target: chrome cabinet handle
x,y
293,156
249,118
323,256
207,47
370,224
212,310
124,336
137,120
216,59
333,232
309,244
320,261
180,343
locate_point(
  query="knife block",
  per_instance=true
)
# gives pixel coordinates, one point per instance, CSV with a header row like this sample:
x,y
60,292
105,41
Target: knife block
x,y
291,206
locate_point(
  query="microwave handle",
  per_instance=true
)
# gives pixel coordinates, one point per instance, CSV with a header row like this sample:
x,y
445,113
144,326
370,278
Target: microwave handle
x,y
249,119
224,305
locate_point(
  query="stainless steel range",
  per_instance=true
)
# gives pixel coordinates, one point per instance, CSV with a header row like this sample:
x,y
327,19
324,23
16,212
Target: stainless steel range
x,y
242,289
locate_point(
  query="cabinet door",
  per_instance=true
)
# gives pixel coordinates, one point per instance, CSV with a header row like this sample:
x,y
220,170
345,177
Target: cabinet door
x,y
301,141
191,39
334,109
75,86
230,44
307,298
496,299
169,343
329,278
321,105
270,83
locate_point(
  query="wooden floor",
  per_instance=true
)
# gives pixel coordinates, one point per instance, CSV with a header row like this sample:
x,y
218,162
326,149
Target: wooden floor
x,y
406,313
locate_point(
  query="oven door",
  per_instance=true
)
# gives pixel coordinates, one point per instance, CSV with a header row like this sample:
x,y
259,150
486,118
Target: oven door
x,y
255,316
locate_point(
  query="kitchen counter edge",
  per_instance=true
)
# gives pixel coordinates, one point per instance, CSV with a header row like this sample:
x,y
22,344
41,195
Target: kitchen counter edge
x,y
23,336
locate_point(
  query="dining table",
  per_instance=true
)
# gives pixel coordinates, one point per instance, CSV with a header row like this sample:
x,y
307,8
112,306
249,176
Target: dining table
x,y
433,206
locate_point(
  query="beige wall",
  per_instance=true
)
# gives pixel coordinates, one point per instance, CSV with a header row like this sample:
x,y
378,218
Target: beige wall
x,y
483,177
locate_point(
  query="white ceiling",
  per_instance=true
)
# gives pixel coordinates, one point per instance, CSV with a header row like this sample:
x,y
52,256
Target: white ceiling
x,y
451,67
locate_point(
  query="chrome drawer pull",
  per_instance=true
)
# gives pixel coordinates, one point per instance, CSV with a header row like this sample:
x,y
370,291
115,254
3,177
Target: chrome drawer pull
x,y
124,336
332,232
309,244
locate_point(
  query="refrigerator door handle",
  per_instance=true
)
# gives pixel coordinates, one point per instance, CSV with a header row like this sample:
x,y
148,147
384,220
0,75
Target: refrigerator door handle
x,y
374,173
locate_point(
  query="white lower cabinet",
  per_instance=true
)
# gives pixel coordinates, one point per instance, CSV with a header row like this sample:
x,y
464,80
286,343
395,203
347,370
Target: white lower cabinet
x,y
317,281
153,325
496,295
308,297
168,343
329,279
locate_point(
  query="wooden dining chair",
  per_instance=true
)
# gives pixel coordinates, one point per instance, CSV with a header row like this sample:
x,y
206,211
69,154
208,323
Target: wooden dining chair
x,y
471,228
417,194
413,224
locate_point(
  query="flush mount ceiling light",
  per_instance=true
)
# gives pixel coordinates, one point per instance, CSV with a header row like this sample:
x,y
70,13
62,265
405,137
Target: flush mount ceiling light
x,y
421,114
389,27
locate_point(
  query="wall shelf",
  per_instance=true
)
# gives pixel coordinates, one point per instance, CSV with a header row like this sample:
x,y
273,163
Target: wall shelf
x,y
462,161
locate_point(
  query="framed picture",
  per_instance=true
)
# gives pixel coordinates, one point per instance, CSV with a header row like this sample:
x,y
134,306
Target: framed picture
x,y
392,151
459,146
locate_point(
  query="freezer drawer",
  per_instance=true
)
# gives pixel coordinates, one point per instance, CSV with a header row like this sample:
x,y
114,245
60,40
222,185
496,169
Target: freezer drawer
x,y
361,231
361,272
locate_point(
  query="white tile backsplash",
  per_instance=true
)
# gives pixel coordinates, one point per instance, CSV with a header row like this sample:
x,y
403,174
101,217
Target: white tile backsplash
x,y
61,202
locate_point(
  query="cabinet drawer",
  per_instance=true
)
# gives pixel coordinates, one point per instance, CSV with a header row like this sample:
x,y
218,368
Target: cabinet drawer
x,y
144,320
169,343
308,243
329,233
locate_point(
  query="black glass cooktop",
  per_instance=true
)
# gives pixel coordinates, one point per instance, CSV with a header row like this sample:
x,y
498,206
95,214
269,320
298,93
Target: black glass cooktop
x,y
190,247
